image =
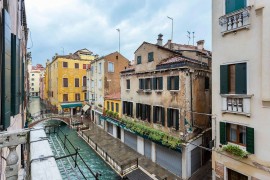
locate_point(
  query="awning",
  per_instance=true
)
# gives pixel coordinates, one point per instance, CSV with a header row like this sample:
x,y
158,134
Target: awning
x,y
85,107
71,105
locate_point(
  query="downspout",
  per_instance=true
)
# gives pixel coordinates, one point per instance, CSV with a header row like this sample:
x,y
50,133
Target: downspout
x,y
191,97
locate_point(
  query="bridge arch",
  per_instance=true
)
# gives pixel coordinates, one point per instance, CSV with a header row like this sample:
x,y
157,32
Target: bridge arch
x,y
62,119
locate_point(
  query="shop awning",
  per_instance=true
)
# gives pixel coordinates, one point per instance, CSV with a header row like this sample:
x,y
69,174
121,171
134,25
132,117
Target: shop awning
x,y
71,105
85,107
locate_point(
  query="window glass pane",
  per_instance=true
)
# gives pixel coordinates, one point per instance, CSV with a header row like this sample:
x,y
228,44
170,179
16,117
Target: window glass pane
x,y
242,134
233,133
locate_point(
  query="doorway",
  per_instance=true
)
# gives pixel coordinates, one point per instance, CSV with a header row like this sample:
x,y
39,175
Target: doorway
x,y
118,132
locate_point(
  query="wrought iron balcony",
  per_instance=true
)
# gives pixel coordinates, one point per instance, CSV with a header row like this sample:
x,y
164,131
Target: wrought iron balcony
x,y
236,104
235,21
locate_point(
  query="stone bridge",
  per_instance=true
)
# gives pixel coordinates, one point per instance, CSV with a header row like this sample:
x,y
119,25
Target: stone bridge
x,y
64,119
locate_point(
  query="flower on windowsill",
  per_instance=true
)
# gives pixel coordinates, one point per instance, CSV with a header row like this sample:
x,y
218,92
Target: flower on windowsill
x,y
235,150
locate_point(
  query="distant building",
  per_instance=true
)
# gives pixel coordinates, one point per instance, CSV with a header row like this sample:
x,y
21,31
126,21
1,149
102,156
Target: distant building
x,y
42,85
34,80
65,81
241,89
14,35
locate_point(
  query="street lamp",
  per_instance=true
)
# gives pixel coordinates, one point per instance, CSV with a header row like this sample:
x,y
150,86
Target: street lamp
x,y
119,38
172,26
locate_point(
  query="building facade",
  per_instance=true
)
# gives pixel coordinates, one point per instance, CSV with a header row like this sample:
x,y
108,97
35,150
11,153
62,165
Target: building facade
x,y
13,45
104,80
34,80
65,81
241,86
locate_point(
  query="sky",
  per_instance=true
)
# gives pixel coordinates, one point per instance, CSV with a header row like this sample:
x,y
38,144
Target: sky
x,y
65,26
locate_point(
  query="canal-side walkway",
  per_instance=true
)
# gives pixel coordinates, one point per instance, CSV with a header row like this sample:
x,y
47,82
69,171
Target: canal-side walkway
x,y
121,153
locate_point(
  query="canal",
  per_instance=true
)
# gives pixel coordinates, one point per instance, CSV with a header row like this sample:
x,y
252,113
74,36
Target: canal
x,y
67,165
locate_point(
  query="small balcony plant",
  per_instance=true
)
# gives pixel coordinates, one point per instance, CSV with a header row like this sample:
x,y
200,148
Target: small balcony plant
x,y
235,150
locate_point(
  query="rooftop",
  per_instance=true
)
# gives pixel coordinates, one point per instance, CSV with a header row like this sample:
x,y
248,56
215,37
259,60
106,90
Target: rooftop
x,y
116,96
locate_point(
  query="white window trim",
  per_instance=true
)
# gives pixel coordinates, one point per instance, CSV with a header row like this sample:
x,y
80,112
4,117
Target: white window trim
x,y
109,67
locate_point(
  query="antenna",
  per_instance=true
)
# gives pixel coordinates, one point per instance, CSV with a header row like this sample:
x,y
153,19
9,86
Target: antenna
x,y
188,36
193,37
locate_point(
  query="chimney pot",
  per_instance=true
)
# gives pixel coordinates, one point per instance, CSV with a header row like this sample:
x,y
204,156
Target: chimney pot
x,y
200,45
159,40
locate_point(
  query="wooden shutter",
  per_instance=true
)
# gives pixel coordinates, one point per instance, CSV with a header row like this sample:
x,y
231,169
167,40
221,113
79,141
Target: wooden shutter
x,y
169,124
234,5
241,78
131,109
22,83
137,110
176,82
140,83
6,71
143,83
224,79
143,111
124,107
150,56
160,83
250,140
222,133
150,80
149,113
169,83
163,116
154,114
177,119
154,83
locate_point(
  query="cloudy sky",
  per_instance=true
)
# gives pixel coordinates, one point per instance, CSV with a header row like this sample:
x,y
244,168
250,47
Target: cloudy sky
x,y
64,26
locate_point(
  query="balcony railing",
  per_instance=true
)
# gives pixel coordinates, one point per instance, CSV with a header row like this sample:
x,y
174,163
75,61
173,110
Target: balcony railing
x,y
235,21
236,104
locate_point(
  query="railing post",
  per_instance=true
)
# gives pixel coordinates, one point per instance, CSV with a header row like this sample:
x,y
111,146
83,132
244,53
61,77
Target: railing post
x,y
12,166
76,157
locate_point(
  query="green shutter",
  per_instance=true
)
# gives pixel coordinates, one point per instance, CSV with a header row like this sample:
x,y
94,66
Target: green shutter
x,y
169,83
222,132
140,83
224,79
22,84
176,82
163,116
250,140
143,111
241,78
143,83
234,5
131,109
154,114
124,107
150,56
139,59
154,83
177,120
149,113
137,110
169,124
151,85
6,71
160,84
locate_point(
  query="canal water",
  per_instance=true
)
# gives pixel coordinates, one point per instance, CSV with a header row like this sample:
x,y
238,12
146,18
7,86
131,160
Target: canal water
x,y
67,165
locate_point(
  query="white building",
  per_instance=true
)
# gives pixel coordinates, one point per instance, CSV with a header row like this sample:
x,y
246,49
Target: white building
x,y
34,80
241,88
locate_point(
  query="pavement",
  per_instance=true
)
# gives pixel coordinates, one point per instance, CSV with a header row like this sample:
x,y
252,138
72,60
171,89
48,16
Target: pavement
x,y
204,173
122,153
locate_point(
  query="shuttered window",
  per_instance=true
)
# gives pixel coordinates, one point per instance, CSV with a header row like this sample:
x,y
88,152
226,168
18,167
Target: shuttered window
x,y
112,105
65,82
65,97
173,83
148,83
173,118
159,115
139,59
77,82
128,83
222,132
250,140
117,107
233,79
234,5
65,64
108,105
150,56
77,97
128,108
84,81
158,83
141,83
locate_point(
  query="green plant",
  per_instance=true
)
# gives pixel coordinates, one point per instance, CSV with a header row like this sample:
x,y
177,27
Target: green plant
x,y
235,150
115,115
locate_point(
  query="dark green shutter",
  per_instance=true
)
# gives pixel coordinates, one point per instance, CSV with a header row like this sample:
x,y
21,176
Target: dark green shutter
x,y
140,83
154,83
137,110
176,82
22,83
222,132
6,71
150,56
169,83
177,119
149,113
224,79
143,111
233,5
160,83
250,140
151,87
154,114
241,78
131,109
143,83
169,124
163,116
239,4
139,59
124,107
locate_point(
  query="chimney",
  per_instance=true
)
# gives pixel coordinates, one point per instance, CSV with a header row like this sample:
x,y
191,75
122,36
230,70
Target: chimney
x,y
159,40
56,54
169,43
200,45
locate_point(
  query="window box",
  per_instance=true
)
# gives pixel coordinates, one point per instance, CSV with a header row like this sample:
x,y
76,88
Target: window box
x,y
158,91
235,21
139,91
174,92
147,91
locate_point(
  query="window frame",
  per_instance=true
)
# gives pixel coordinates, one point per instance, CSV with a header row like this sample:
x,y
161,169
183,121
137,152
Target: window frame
x,y
150,57
139,59
64,82
111,70
76,97
238,131
64,65
65,98
77,66
128,84
76,80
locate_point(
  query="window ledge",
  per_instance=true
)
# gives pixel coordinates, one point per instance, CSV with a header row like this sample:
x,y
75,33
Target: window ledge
x,y
139,91
236,95
235,112
174,92
158,91
147,91
127,90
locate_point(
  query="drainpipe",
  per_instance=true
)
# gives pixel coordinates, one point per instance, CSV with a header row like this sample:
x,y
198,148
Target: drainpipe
x,y
191,97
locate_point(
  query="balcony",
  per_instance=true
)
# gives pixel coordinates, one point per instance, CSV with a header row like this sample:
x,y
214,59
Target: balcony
x,y
235,21
236,104
84,88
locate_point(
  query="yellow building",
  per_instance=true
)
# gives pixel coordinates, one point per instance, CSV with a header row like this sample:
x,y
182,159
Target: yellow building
x,y
66,82
112,103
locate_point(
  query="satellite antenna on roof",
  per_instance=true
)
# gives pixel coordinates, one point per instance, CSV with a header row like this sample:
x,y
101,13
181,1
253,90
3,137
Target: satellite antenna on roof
x,y
188,36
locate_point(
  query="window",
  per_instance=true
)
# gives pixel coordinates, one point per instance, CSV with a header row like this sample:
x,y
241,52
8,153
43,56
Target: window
x,y
84,66
233,79
158,83
65,82
32,89
148,83
65,97
206,83
85,96
234,5
173,118
234,133
93,97
173,83
117,107
112,106
52,93
32,84
92,70
92,84
32,79
141,83
116,57
128,83
77,97
100,84
99,68
110,67
76,65
150,57
139,59
33,74
128,108
84,81
143,112
77,82
233,175
65,64
108,105
159,115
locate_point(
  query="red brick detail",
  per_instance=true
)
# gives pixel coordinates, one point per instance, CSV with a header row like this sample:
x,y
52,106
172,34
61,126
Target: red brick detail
x,y
219,170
